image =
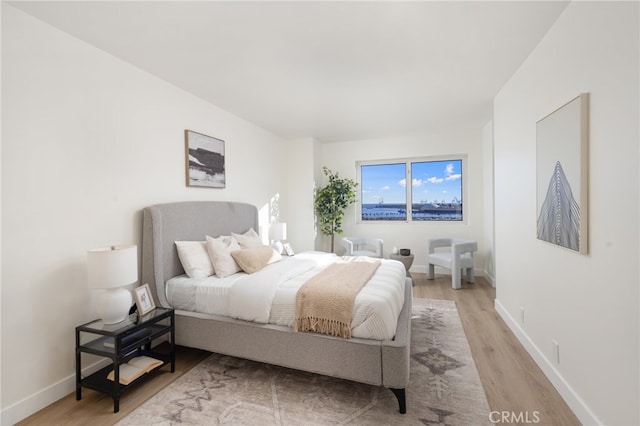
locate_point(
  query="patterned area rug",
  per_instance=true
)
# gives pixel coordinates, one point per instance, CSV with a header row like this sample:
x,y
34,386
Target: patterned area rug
x,y
444,387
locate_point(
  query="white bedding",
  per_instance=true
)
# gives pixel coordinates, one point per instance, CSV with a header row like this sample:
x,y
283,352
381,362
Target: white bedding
x,y
268,296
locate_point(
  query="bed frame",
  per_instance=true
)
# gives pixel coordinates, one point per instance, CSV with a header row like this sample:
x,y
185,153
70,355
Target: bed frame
x,y
382,363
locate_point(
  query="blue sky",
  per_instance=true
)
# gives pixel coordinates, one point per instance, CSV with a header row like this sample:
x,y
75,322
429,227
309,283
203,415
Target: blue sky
x,y
430,181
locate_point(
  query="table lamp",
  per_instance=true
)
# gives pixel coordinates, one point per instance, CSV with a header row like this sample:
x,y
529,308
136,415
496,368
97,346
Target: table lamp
x,y
277,232
112,268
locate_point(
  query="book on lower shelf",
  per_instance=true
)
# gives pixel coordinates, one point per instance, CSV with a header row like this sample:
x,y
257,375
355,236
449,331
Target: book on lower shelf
x,y
135,368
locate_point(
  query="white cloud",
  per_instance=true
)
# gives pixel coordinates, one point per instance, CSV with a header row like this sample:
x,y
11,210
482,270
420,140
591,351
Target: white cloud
x,y
449,172
448,169
385,188
416,183
435,180
402,183
454,176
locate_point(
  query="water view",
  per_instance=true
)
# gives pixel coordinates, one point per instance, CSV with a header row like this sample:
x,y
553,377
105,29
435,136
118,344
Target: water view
x,y
419,211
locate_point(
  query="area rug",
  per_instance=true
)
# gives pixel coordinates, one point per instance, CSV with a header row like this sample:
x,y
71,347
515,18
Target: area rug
x,y
444,388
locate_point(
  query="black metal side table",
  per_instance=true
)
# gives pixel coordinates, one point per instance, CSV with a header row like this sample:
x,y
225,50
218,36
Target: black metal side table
x,y
121,342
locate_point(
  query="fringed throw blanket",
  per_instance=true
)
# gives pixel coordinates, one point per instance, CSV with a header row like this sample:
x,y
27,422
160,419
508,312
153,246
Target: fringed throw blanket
x,y
324,304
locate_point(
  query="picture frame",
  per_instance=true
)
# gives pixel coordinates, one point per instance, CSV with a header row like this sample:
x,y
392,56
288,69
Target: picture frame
x,y
204,160
144,299
288,249
562,159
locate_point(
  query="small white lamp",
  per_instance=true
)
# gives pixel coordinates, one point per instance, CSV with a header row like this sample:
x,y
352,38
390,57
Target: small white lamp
x,y
112,268
277,232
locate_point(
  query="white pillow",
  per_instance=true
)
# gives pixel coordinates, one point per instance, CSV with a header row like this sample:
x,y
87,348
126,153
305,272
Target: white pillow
x,y
220,254
249,239
194,258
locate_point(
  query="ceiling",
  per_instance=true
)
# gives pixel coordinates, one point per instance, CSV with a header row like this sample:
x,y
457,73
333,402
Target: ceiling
x,y
330,70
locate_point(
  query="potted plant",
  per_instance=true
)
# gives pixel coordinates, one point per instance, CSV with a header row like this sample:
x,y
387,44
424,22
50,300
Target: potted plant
x,y
330,202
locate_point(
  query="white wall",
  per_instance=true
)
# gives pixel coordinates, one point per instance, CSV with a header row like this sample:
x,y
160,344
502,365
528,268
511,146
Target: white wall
x,y
1,39
587,303
300,184
87,142
341,157
487,168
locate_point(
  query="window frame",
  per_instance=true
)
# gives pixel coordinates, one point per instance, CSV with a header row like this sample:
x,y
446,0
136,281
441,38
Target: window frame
x,y
408,188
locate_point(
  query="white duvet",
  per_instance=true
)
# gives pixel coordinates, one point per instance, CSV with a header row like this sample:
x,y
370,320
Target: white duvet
x,y
269,295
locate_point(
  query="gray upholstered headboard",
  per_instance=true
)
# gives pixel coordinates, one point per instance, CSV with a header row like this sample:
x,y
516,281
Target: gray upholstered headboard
x,y
163,224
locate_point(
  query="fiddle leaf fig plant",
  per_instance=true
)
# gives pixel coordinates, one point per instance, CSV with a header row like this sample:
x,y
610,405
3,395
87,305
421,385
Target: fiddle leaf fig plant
x,y
331,201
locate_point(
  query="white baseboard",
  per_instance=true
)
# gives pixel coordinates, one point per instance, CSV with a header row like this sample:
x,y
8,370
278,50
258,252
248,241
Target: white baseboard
x,y
573,400
490,279
47,396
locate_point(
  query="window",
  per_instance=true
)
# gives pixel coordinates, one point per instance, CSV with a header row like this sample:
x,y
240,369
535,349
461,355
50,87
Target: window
x,y
383,192
435,192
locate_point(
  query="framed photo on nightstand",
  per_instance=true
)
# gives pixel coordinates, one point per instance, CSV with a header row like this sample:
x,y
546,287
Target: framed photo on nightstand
x,y
288,249
144,300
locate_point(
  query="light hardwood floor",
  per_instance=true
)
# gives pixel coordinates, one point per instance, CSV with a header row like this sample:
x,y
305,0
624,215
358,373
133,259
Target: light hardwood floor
x,y
512,381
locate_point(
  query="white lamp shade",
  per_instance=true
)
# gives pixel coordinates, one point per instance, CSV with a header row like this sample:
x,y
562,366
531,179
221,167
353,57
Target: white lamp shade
x,y
278,231
112,267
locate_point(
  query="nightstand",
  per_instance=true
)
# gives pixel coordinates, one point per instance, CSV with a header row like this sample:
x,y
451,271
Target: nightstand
x,y
407,261
120,343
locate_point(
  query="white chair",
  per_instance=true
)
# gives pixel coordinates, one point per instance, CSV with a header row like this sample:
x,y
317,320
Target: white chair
x,y
457,256
362,246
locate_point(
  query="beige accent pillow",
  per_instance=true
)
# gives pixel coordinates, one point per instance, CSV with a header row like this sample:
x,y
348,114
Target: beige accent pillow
x,y
255,258
194,258
220,254
249,239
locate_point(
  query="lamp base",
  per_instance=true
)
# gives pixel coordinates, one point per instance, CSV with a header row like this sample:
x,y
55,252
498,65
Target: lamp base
x,y
113,305
277,246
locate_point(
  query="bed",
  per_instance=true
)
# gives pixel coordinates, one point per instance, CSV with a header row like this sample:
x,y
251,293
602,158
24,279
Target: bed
x,y
382,362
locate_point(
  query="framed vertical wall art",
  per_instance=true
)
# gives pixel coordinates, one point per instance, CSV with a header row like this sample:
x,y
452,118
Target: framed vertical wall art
x,y
204,160
562,160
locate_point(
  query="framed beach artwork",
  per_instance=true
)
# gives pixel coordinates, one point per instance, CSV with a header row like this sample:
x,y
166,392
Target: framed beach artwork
x,y
204,160
562,148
